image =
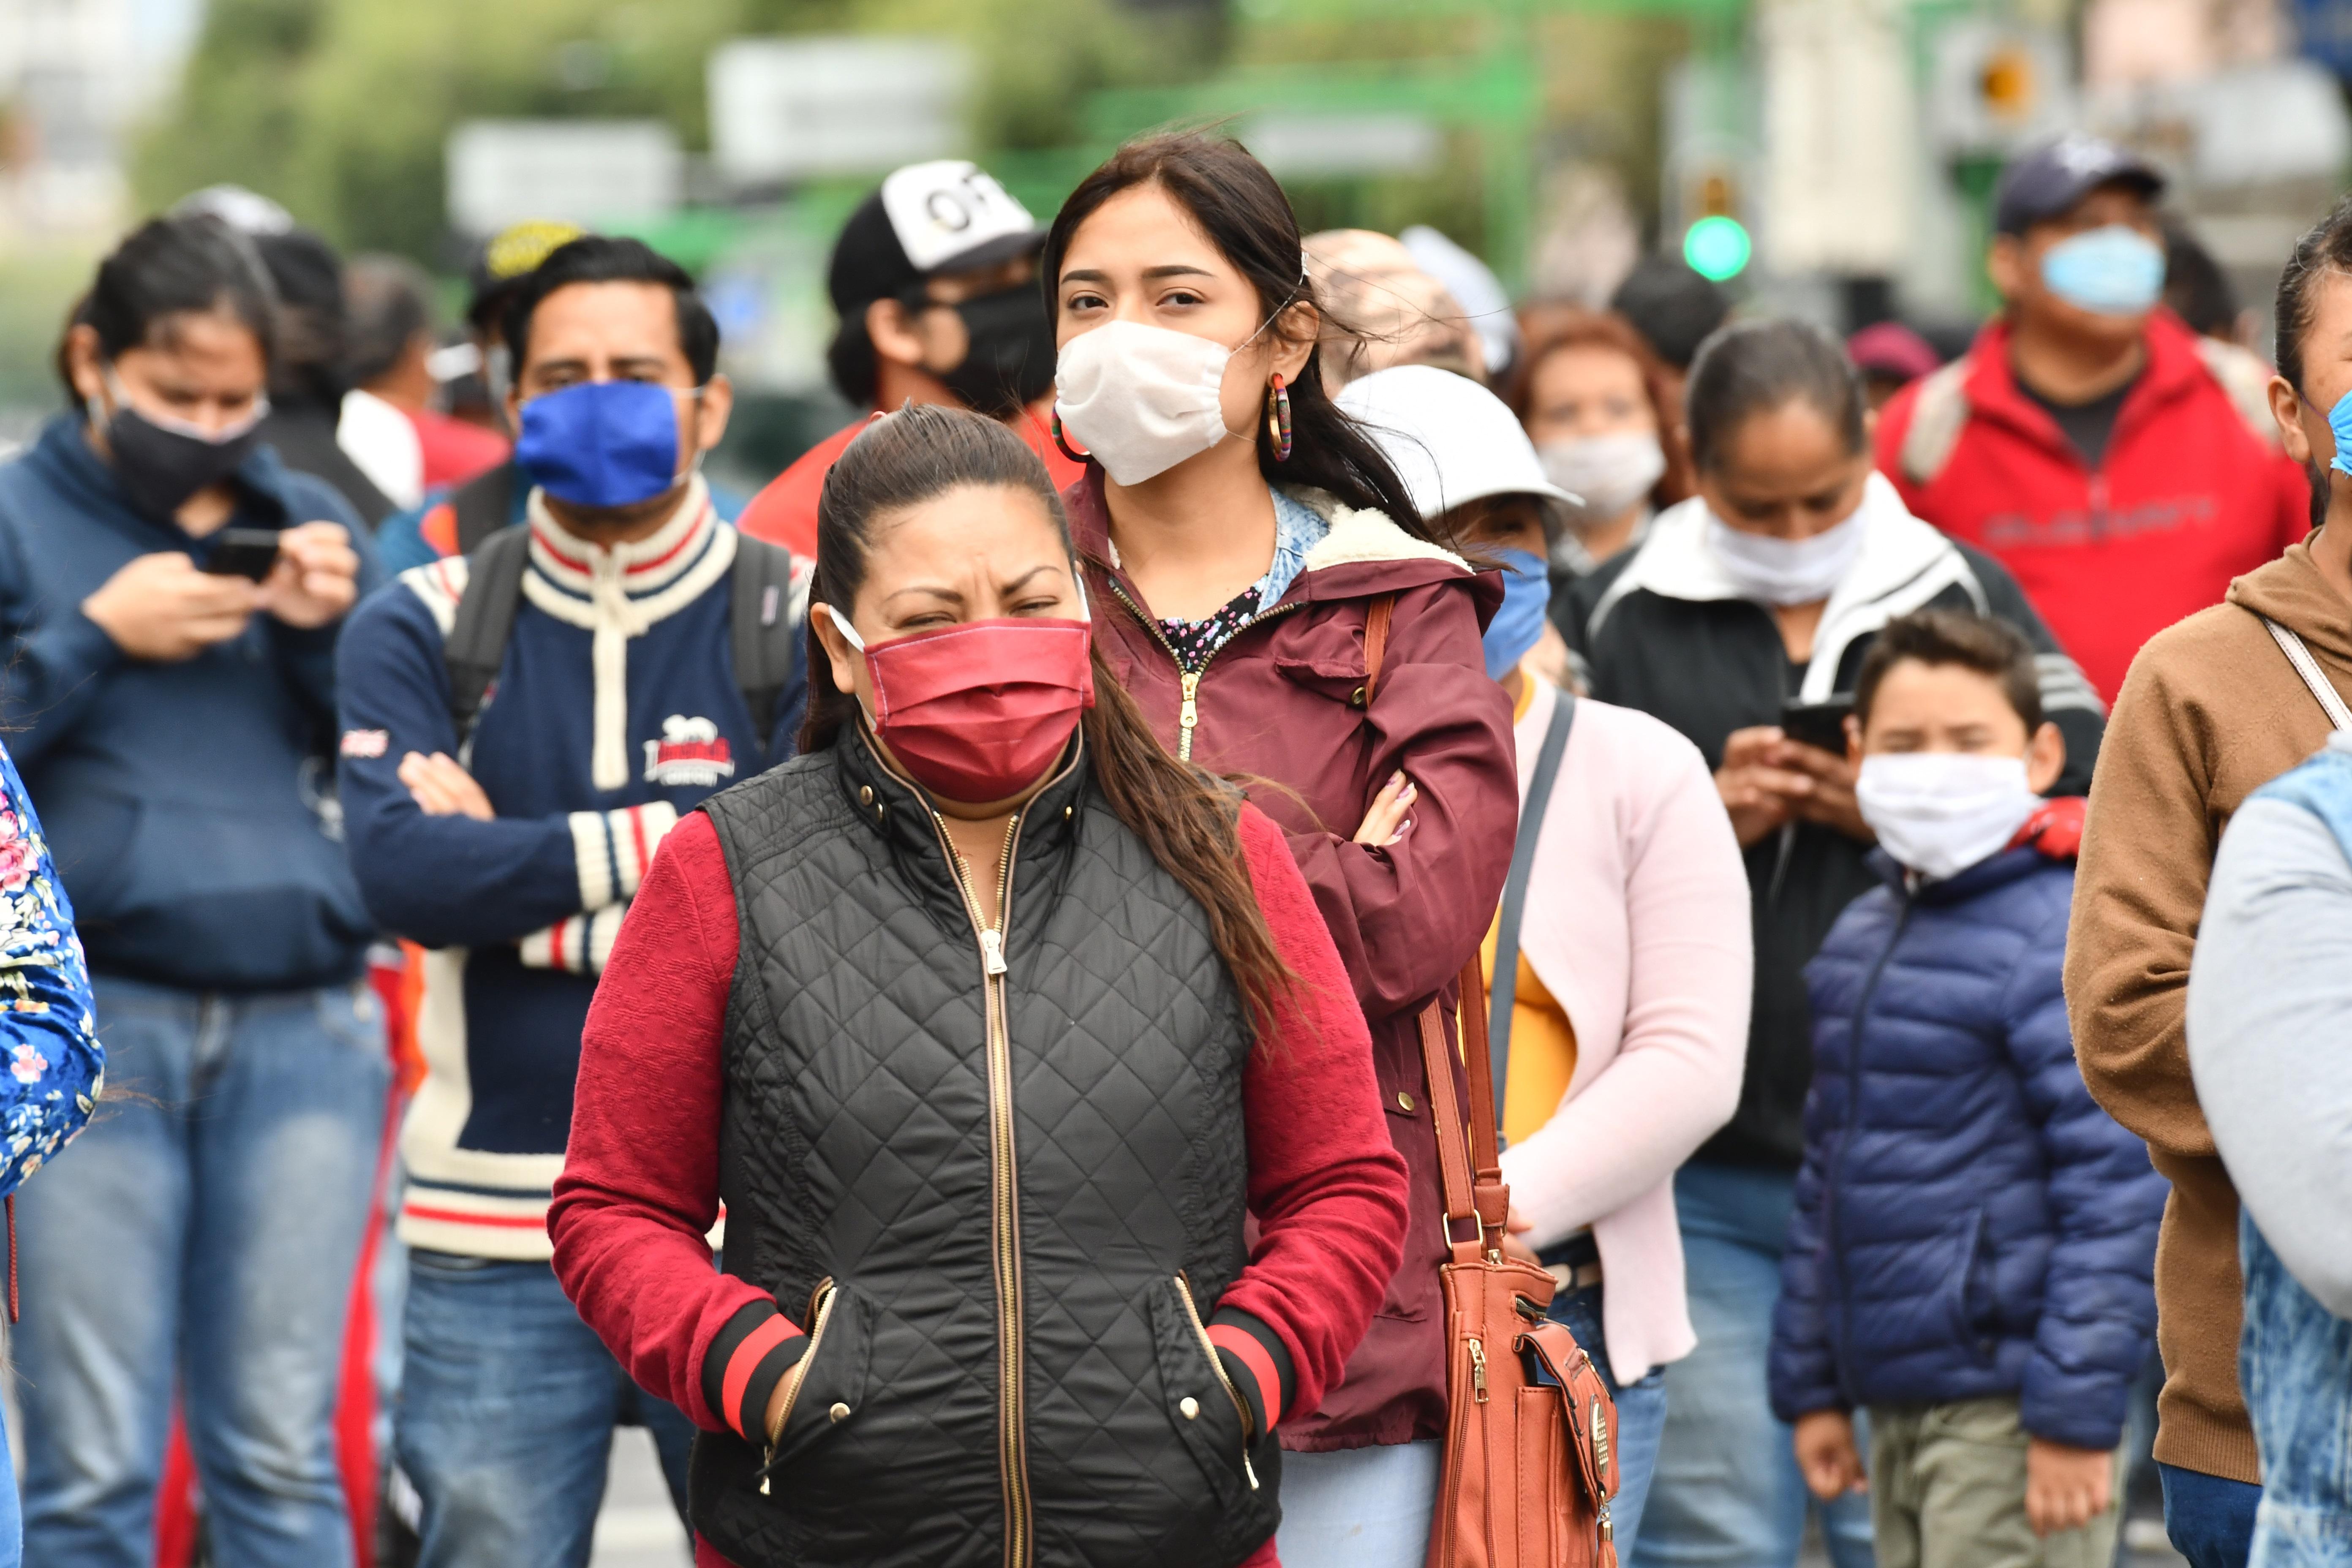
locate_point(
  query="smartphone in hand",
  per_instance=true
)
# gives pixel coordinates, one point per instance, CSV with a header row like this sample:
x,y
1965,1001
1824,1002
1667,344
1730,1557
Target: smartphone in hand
x,y
242,552
1820,724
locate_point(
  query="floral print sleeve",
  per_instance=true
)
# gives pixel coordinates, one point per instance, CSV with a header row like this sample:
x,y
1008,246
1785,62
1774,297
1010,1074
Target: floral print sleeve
x,y
48,1032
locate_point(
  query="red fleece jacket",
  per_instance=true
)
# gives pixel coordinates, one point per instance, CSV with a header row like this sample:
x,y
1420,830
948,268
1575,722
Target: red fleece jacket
x,y
640,1183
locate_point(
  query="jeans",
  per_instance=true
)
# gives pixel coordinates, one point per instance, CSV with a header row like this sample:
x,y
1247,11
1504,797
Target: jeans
x,y
1358,1507
201,1233
2294,1360
1641,1411
1727,1492
508,1402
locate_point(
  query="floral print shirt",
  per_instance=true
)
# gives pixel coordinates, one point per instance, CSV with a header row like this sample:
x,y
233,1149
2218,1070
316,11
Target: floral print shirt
x,y
1298,529
49,1029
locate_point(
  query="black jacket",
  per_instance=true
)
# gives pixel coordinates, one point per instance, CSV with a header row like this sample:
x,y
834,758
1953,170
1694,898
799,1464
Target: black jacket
x,y
1000,1159
1662,628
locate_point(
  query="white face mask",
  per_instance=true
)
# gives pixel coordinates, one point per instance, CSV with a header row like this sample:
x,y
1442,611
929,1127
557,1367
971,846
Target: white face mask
x,y
1787,571
1940,813
1143,399
1610,472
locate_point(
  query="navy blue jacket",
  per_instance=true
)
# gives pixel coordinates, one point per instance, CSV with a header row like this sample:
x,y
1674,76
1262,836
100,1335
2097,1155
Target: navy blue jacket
x,y
190,806
1968,1222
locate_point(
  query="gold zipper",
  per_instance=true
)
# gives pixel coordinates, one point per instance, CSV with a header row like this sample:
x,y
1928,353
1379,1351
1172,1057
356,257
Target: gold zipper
x,y
1478,1369
1209,1349
1012,1439
1188,717
817,1321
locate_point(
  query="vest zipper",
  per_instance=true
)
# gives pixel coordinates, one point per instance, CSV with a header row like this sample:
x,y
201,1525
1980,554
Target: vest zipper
x,y
1188,681
1209,1349
1013,1458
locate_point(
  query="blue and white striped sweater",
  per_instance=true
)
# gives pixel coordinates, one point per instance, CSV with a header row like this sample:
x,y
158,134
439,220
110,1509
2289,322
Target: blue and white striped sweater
x,y
520,911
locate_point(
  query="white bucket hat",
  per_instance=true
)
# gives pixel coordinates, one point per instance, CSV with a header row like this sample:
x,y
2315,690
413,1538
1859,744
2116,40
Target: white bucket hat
x,y
1450,439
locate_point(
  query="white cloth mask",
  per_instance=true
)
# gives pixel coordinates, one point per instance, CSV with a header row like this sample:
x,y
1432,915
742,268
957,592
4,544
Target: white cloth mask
x,y
1610,472
1141,398
1940,813
1786,570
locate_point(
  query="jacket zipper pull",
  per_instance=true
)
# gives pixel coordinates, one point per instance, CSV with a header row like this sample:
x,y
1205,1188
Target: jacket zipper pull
x,y
991,952
1188,716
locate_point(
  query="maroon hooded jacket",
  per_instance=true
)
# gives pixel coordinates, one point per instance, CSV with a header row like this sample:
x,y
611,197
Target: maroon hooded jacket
x,y
1282,705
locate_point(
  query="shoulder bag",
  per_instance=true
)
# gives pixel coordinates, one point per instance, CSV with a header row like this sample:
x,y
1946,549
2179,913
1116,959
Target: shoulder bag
x,y
1530,1440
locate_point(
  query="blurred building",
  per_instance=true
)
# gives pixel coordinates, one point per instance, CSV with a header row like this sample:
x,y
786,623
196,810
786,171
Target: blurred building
x,y
75,78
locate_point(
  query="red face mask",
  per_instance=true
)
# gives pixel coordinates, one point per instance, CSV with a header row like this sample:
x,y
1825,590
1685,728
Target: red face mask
x,y
979,712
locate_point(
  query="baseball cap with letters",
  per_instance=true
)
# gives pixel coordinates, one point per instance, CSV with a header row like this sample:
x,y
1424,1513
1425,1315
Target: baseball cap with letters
x,y
928,218
2045,182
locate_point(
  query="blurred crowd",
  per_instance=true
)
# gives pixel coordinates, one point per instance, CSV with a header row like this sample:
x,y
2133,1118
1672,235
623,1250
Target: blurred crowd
x,y
996,994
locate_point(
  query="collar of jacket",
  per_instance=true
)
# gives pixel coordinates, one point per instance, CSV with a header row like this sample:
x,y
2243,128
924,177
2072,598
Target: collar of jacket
x,y
1365,554
1994,870
1903,564
83,477
2173,370
2291,592
899,810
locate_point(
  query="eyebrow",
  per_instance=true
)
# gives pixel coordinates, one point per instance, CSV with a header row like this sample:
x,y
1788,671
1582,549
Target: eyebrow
x,y
1173,269
953,596
1022,580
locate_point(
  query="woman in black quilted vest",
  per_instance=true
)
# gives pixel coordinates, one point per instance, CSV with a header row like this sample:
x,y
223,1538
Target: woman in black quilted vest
x,y
986,1021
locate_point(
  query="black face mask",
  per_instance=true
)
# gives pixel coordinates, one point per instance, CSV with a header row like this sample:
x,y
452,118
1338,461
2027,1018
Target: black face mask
x,y
159,467
1010,364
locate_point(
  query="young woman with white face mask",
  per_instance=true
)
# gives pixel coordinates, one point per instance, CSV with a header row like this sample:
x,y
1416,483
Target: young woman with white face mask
x,y
1247,550
1602,410
1742,620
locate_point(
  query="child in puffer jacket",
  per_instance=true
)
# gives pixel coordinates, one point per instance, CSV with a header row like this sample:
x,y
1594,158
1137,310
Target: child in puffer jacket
x,y
1971,1256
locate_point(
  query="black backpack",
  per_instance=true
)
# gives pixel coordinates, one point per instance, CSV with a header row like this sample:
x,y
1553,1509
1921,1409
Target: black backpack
x,y
763,632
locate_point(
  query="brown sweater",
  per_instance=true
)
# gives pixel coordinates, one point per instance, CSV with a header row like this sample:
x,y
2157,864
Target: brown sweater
x,y
2210,710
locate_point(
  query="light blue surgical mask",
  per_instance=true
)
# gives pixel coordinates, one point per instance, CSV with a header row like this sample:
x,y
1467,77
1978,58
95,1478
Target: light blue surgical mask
x,y
1518,625
2339,420
2112,271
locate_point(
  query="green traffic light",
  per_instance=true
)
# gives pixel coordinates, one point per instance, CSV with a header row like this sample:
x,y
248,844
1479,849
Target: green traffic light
x,y
1717,247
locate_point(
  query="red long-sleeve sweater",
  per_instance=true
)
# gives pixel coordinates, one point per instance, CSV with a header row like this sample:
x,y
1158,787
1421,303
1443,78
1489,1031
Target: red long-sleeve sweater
x,y
640,1183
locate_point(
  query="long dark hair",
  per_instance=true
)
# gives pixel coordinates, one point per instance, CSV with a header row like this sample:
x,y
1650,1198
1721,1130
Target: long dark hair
x,y
1185,818
1241,207
187,265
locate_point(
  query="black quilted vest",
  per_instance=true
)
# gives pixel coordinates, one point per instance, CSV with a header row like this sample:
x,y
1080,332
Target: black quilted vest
x,y
1009,1372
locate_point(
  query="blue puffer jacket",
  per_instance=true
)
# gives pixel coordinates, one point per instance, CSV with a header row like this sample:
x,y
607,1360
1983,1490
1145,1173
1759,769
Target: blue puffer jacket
x,y
1968,1222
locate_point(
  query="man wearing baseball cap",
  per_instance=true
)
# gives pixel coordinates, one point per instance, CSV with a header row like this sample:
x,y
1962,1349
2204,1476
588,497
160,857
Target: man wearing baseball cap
x,y
935,280
2122,467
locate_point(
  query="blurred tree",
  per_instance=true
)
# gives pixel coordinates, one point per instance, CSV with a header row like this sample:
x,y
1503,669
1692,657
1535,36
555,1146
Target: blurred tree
x,y
340,109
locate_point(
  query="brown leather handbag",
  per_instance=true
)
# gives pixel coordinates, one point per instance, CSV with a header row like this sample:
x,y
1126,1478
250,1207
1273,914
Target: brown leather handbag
x,y
1530,1439
1531,1432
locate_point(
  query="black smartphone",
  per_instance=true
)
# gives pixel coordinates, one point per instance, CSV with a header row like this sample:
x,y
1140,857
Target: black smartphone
x,y
242,552
1818,724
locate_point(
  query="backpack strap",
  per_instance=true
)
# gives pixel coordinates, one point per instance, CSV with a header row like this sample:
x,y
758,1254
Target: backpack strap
x,y
1939,414
2246,381
766,608
476,645
2339,716
483,505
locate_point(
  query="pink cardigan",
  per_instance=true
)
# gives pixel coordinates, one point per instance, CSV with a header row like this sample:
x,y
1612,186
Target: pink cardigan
x,y
1637,923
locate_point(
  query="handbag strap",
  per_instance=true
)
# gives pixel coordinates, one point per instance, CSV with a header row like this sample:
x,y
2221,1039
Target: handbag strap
x,y
1503,989
1468,1162
2338,715
1375,641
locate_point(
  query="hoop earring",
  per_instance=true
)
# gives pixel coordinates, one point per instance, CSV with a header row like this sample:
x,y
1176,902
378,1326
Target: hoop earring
x,y
1278,418
1062,441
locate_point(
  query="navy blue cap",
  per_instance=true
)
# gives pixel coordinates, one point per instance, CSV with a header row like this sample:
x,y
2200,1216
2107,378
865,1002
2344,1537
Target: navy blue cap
x,y
2047,182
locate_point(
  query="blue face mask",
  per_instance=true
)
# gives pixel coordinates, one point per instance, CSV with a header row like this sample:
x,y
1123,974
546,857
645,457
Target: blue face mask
x,y
600,443
1520,623
2339,420
2112,271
